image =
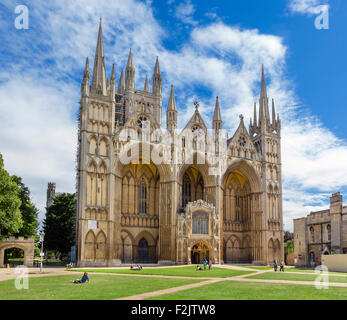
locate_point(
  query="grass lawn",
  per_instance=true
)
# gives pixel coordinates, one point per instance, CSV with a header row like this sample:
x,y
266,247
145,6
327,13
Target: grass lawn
x,y
311,271
189,271
101,287
295,277
237,290
256,267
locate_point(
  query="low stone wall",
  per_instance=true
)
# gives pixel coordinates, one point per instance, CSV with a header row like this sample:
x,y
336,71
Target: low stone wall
x,y
335,262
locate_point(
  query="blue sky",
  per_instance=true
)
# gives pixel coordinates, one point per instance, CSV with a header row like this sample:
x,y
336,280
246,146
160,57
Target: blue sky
x,y
205,49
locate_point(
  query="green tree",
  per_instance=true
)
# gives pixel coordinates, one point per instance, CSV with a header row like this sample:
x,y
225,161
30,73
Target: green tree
x,y
10,216
28,210
59,224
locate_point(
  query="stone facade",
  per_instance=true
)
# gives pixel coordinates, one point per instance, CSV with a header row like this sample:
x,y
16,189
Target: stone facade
x,y
217,198
320,233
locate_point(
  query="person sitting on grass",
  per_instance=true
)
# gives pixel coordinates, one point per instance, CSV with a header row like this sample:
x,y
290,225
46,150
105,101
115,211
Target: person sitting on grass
x,y
84,279
198,268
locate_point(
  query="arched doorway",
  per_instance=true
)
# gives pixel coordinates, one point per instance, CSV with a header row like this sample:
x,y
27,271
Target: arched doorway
x,y
199,252
143,251
13,256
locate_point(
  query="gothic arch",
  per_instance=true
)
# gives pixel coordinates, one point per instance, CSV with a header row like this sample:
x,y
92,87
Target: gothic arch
x,y
92,144
102,168
150,254
91,167
209,179
164,170
147,236
247,170
100,248
103,146
89,246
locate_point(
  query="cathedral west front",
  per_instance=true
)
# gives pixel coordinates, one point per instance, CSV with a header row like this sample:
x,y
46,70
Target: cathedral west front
x,y
153,194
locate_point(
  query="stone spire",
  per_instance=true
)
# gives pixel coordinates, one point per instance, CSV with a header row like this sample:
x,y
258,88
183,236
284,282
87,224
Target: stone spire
x,y
217,118
255,123
99,72
113,83
171,112
121,85
146,88
86,79
172,103
157,79
130,73
264,116
273,112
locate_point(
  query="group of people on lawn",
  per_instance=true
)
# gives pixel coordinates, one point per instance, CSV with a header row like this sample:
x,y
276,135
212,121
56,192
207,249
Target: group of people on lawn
x,y
205,263
138,267
276,265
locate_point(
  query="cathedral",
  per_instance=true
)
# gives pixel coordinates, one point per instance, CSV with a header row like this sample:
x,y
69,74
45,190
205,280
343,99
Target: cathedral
x,y
153,194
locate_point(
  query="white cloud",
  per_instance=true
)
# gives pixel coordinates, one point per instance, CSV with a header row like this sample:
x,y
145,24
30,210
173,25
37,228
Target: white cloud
x,y
38,134
308,6
39,109
185,12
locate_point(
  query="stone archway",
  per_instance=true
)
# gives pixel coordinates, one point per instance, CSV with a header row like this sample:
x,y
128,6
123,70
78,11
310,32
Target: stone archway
x,y
25,244
200,251
145,248
241,194
143,251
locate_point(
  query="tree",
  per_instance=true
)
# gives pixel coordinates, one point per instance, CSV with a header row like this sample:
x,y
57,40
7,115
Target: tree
x,y
28,210
10,216
59,224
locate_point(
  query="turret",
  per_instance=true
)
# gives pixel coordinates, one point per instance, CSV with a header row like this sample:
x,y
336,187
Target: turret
x,y
130,73
99,85
171,112
157,79
50,193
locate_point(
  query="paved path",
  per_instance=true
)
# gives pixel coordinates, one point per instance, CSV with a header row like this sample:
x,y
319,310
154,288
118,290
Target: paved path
x,y
8,274
147,295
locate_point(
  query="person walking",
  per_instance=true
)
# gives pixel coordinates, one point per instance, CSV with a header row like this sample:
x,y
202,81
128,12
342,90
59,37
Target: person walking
x,y
205,263
210,265
282,266
275,265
